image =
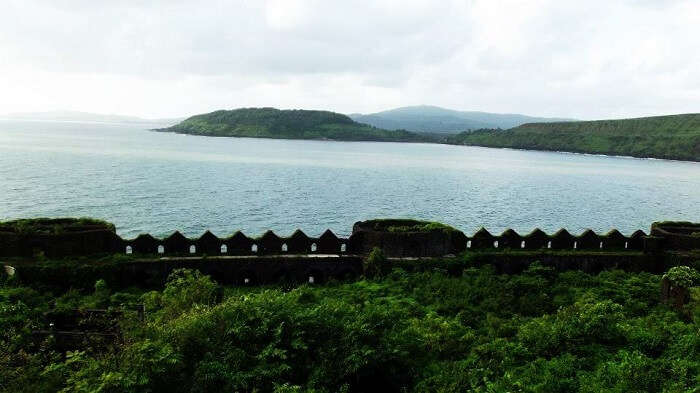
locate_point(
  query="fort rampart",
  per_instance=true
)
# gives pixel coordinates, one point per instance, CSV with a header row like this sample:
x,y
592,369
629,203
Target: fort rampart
x,y
93,239
239,259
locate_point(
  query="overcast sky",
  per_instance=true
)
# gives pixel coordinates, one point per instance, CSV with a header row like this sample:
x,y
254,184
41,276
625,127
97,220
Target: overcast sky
x,y
582,59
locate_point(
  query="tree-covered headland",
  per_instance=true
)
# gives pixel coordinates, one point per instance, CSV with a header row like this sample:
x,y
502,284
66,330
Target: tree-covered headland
x,y
288,124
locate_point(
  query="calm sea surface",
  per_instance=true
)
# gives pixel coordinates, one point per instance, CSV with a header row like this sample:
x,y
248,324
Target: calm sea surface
x,y
155,182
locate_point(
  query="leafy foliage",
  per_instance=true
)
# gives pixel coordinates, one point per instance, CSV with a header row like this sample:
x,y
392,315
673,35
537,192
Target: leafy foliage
x,y
376,264
683,276
539,331
671,137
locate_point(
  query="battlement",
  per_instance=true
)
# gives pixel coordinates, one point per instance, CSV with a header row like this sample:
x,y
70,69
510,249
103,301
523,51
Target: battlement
x,y
55,238
242,260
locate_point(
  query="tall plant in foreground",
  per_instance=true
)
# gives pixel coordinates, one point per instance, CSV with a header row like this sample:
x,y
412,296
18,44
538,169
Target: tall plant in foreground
x,y
376,264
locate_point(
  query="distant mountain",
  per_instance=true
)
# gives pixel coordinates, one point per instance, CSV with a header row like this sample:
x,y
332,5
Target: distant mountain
x,y
434,119
674,137
287,124
87,117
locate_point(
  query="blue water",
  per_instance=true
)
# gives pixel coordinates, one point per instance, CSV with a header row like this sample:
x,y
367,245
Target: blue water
x,y
156,182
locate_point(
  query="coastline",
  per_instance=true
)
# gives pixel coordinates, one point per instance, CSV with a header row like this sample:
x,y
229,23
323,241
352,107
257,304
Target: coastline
x,y
438,142
579,153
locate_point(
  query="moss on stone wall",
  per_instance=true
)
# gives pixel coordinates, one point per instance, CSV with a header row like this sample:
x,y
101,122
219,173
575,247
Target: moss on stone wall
x,y
53,226
405,225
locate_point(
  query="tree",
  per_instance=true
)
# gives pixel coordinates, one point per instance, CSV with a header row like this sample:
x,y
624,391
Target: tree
x,y
376,264
676,284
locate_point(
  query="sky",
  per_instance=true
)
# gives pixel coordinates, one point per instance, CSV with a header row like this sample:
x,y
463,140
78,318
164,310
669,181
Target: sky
x,y
169,58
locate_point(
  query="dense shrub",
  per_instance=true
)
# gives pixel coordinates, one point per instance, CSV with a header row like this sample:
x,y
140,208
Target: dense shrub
x,y
539,331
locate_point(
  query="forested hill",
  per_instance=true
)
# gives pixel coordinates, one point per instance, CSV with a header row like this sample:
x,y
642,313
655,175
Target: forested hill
x,y
287,124
670,137
433,119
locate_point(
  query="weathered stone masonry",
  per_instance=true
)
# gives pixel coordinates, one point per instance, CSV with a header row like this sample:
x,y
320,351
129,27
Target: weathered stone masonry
x,y
96,240
239,259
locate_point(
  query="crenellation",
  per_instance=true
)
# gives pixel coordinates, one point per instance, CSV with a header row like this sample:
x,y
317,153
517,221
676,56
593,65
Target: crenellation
x,y
366,235
563,240
482,239
269,243
536,239
298,243
588,240
144,244
208,244
239,244
329,243
615,240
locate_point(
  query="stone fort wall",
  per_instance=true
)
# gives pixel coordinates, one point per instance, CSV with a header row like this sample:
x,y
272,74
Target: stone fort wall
x,y
101,241
243,260
75,239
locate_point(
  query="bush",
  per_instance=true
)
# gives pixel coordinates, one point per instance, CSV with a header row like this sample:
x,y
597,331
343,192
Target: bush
x,y
683,276
186,288
376,264
101,294
539,331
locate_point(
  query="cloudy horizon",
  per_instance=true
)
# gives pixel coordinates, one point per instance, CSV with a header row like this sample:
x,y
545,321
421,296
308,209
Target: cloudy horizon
x,y
165,59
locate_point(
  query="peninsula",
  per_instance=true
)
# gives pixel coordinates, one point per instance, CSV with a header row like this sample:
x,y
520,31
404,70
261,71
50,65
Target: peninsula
x,y
288,124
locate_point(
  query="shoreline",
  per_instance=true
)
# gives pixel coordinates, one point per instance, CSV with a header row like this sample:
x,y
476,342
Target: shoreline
x,y
580,153
431,142
438,143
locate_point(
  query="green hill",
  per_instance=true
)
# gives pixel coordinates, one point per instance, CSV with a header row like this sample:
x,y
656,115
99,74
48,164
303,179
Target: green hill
x,y
671,137
287,124
433,119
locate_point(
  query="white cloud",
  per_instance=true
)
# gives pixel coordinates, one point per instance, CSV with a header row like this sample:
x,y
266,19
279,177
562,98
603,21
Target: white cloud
x,y
590,59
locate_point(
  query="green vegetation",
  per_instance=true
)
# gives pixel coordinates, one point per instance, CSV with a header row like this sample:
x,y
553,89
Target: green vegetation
x,y
420,331
670,137
676,226
406,225
287,124
376,264
424,227
683,276
53,226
